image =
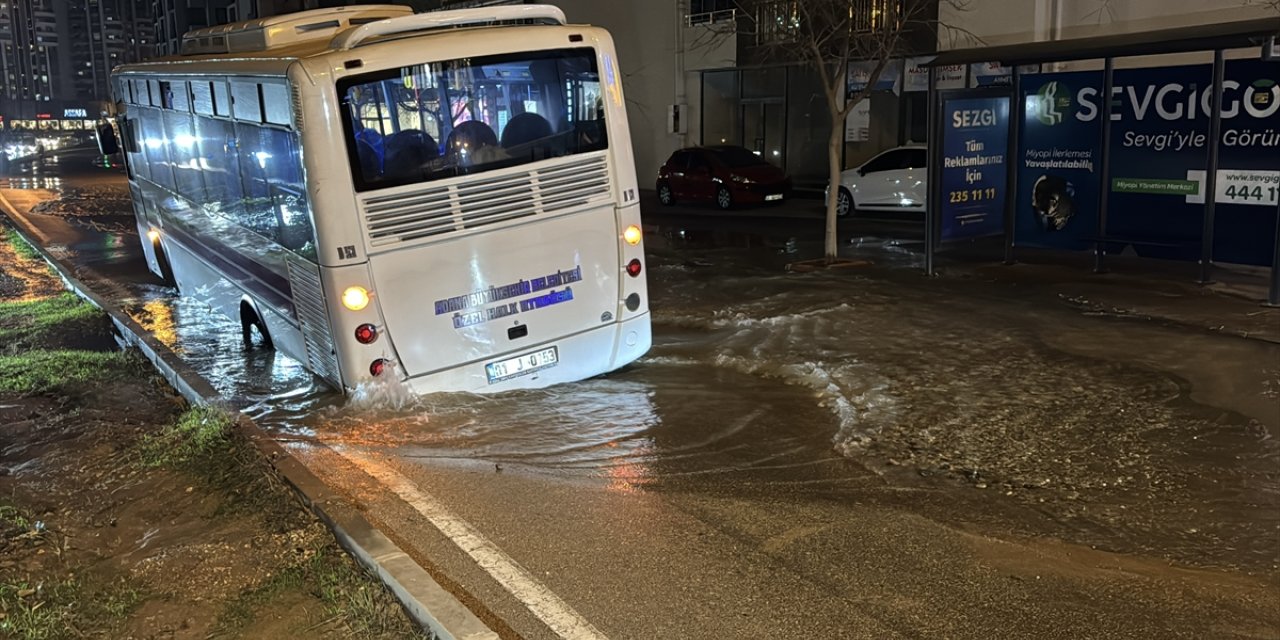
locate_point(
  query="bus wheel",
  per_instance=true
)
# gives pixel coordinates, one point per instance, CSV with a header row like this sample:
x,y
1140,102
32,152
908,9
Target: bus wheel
x,y
162,260
249,321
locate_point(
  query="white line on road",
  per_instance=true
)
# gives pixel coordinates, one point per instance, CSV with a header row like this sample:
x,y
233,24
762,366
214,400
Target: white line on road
x,y
540,600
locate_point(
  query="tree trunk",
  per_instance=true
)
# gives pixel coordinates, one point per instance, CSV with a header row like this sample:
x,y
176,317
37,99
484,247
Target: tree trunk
x,y
834,144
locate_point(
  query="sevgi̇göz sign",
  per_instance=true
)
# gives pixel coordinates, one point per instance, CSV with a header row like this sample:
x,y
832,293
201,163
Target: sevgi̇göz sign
x,y
975,140
1159,149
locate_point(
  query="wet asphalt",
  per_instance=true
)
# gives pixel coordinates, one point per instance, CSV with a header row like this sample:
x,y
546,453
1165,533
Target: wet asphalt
x,y
857,454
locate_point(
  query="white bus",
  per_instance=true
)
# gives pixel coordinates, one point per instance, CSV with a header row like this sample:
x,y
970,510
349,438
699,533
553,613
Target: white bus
x,y
448,197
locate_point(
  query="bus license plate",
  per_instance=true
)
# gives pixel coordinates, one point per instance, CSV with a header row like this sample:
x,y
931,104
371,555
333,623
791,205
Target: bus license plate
x,y
773,196
522,365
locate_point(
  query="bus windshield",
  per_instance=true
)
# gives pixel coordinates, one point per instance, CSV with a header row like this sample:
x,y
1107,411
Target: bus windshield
x,y
458,117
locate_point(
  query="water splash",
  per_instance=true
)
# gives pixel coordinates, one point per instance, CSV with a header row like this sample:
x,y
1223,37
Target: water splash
x,y
384,393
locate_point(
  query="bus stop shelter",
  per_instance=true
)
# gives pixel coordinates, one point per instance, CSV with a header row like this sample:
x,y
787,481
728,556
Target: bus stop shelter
x,y
1044,160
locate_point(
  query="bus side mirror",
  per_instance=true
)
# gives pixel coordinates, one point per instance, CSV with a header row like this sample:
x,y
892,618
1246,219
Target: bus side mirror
x,y
108,143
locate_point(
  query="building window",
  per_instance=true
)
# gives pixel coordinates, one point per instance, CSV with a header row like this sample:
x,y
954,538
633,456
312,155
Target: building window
x,y
872,15
709,6
776,21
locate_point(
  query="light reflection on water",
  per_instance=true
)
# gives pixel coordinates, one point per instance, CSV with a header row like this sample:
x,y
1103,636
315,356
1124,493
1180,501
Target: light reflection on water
x,y
770,378
212,344
50,183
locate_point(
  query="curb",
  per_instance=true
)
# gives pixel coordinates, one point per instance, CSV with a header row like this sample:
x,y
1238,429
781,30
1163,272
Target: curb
x,y
423,598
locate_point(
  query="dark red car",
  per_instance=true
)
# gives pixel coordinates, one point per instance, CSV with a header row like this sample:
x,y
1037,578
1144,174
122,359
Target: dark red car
x,y
724,175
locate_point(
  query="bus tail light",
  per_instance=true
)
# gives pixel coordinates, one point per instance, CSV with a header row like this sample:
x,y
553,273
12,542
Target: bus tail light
x,y
633,267
355,298
377,367
366,333
632,235
153,235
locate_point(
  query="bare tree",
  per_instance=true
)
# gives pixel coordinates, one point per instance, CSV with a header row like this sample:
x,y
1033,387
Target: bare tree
x,y
826,35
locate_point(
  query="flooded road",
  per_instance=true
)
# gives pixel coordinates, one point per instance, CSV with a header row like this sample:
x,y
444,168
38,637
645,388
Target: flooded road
x,y
862,452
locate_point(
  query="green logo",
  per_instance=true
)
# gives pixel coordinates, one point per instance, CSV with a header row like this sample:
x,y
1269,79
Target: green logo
x,y
1263,94
1053,103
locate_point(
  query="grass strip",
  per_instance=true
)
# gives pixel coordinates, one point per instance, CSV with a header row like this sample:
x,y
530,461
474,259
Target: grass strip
x,y
20,246
41,371
28,323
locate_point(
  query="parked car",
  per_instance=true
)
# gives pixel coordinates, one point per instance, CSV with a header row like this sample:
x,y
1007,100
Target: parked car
x,y
893,180
725,175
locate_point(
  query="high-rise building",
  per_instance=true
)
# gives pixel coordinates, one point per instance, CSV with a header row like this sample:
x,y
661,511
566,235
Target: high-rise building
x,y
29,46
56,57
103,34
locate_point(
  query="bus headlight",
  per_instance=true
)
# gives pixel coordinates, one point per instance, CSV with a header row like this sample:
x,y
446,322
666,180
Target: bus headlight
x,y
355,298
632,235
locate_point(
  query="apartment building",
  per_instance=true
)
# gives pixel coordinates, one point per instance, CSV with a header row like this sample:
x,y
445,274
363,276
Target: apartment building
x,y
56,57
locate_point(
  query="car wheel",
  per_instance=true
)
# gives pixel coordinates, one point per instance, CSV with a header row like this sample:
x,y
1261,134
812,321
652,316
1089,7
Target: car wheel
x,y
844,202
665,196
724,199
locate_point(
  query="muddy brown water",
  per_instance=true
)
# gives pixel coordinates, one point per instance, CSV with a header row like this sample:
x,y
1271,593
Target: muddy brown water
x,y
1032,417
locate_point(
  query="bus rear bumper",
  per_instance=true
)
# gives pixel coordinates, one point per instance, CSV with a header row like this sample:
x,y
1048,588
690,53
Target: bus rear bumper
x,y
578,357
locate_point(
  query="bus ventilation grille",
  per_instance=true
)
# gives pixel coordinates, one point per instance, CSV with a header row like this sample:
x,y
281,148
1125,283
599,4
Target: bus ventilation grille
x,y
455,209
308,299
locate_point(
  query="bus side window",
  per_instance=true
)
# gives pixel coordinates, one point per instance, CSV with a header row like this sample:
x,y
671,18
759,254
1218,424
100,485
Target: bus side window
x,y
255,157
217,140
276,107
133,144
288,194
202,98
154,147
188,180
246,101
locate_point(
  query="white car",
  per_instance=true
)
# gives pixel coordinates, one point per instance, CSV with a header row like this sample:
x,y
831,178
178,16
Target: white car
x,y
894,180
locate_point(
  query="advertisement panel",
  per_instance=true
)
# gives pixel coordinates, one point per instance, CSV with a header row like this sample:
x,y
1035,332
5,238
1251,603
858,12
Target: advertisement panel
x,y
1159,150
860,74
990,74
975,139
916,76
857,125
1058,163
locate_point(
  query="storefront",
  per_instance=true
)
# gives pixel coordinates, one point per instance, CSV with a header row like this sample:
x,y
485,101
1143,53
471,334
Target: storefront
x,y
51,116
781,112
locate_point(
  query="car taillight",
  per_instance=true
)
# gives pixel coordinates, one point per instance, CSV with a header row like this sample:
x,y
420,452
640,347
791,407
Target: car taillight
x,y
366,333
633,267
377,367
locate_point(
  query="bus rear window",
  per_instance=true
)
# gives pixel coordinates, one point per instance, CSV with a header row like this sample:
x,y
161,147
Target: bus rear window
x,y
443,119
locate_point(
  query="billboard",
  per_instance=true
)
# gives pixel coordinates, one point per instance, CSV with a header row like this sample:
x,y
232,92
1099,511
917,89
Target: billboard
x,y
1159,151
975,143
1058,163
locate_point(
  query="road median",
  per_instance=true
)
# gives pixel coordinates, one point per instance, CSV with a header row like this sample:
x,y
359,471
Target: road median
x,y
433,608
